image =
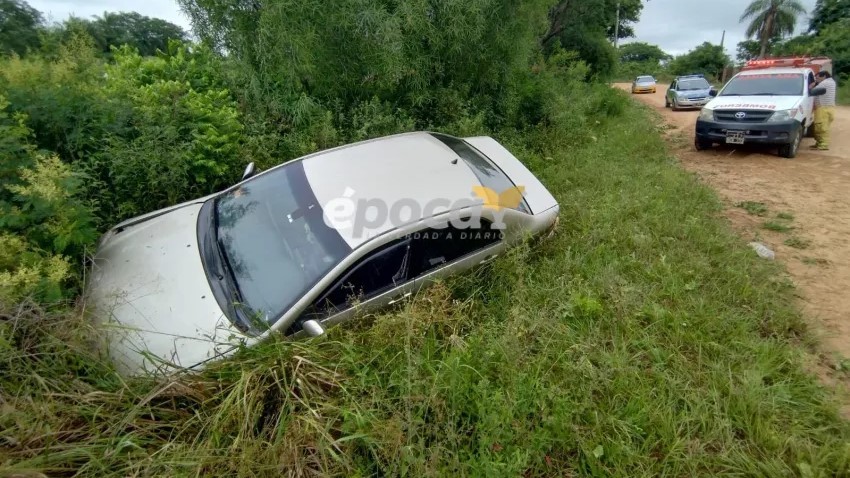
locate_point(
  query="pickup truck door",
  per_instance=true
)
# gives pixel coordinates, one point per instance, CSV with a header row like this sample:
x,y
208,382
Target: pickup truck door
x,y
808,100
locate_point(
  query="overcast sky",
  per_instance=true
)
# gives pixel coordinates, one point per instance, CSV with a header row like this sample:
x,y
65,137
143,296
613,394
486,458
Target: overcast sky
x,y
679,25
675,25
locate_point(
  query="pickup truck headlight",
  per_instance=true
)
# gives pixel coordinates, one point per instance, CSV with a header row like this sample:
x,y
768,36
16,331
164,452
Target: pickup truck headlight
x,y
706,114
782,115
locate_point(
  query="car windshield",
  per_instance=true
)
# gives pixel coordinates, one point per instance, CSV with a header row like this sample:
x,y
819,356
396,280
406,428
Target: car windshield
x,y
769,84
694,84
645,79
274,241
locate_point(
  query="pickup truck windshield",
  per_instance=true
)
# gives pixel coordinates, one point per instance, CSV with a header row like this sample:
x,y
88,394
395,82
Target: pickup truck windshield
x,y
768,84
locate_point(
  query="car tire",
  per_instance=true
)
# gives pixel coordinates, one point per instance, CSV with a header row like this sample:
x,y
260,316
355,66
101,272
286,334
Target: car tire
x,y
810,130
675,106
666,102
701,144
790,150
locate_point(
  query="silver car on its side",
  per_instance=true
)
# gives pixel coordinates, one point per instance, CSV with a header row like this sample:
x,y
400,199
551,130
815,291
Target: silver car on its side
x,y
303,246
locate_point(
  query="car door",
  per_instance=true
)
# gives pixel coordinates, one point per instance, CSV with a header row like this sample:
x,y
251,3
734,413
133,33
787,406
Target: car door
x,y
437,253
376,280
808,100
671,92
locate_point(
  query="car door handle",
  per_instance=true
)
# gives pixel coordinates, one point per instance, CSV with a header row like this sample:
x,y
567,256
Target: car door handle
x,y
489,258
400,298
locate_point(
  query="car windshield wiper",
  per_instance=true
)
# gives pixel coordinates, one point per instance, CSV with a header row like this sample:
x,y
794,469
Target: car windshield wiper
x,y
225,274
765,94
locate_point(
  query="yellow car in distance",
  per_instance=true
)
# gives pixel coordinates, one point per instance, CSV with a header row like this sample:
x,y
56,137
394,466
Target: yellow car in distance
x,y
643,84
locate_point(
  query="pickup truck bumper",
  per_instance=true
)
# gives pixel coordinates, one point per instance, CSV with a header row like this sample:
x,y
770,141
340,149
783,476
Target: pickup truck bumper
x,y
781,132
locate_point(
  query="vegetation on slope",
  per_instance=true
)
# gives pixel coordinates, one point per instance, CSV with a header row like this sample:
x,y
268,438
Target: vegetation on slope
x,y
642,339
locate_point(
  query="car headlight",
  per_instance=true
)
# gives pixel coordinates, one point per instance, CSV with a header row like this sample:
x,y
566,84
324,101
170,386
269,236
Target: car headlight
x,y
782,115
706,114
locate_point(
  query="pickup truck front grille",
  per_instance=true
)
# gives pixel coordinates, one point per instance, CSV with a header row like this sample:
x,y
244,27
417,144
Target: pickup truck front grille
x,y
742,116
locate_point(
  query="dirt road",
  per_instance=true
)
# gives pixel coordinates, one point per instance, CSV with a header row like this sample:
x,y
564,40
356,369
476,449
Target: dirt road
x,y
814,188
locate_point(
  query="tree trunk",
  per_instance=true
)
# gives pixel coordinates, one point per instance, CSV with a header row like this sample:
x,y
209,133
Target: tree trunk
x,y
766,34
557,20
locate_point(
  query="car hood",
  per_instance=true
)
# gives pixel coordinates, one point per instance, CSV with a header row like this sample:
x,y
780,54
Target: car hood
x,y
150,292
694,93
774,103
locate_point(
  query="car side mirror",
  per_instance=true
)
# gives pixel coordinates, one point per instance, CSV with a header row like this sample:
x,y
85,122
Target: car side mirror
x,y
712,92
817,91
250,170
313,328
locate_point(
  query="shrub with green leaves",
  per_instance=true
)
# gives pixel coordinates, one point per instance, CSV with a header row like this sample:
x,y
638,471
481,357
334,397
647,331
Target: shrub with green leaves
x,y
184,137
44,228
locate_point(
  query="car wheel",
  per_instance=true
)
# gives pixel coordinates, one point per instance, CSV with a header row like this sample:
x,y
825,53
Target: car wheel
x,y
790,150
701,144
675,106
666,102
810,130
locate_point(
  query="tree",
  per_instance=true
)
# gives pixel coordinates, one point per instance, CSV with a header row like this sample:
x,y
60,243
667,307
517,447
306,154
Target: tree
x,y
706,59
827,12
588,27
771,18
301,56
591,16
19,27
642,52
751,49
834,41
147,35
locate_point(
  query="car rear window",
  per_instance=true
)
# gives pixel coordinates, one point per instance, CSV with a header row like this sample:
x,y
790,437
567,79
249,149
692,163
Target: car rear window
x,y
488,173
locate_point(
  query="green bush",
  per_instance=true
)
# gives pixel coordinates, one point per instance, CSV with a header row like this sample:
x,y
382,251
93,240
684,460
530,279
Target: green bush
x,y
63,99
45,229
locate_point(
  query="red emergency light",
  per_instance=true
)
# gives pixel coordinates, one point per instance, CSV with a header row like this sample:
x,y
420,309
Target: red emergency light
x,y
815,63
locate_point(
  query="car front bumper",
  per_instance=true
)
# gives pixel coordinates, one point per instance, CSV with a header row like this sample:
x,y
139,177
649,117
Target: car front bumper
x,y
643,89
691,103
780,132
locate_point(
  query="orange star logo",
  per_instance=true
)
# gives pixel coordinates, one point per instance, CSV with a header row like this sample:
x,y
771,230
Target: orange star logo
x,y
509,198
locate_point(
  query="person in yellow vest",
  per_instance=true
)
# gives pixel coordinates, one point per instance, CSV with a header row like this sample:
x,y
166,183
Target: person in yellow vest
x,y
824,110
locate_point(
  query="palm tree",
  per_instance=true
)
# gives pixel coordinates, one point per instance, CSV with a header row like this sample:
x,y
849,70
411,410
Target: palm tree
x,y
770,19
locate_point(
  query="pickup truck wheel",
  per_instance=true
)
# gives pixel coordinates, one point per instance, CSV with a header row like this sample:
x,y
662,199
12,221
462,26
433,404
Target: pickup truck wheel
x,y
790,150
810,130
701,144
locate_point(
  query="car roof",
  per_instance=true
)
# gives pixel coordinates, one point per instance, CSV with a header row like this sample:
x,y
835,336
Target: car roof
x,y
768,71
410,169
690,77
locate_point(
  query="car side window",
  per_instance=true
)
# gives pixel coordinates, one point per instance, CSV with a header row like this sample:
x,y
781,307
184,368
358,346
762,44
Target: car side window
x,y
673,85
379,272
433,248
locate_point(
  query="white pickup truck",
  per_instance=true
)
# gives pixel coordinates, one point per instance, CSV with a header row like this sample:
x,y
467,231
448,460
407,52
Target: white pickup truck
x,y
765,104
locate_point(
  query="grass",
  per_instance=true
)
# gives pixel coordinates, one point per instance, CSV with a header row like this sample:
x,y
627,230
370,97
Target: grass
x,y
753,208
643,339
815,261
843,93
797,242
777,226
